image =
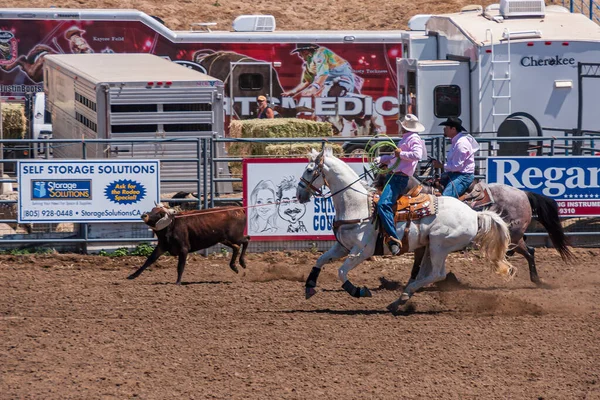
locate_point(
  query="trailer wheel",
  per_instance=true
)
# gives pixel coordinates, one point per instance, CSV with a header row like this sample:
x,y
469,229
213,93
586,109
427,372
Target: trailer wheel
x,y
520,124
355,150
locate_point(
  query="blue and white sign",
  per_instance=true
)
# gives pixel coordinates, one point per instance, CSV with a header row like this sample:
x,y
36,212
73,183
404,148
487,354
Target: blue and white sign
x,y
87,190
572,181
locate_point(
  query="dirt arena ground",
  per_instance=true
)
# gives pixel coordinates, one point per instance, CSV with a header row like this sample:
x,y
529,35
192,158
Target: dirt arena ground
x,y
73,327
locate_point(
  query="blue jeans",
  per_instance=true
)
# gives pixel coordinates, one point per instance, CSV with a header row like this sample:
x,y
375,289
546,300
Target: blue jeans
x,y
456,183
393,189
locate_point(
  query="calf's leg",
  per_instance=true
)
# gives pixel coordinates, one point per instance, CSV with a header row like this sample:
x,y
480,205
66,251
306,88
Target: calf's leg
x,y
181,265
244,247
149,261
236,251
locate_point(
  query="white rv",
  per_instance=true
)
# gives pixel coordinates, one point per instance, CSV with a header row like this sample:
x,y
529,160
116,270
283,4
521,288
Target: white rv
x,y
511,69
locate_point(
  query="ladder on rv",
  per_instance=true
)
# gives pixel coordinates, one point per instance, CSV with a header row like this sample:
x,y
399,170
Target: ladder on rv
x,y
501,85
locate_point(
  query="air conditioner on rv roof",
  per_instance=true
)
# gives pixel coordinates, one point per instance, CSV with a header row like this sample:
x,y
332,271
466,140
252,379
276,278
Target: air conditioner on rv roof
x,y
254,23
522,8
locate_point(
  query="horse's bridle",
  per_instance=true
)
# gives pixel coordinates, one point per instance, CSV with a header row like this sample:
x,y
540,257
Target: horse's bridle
x,y
308,185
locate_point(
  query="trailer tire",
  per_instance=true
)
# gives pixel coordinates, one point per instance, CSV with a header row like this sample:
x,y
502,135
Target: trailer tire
x,y
355,150
520,124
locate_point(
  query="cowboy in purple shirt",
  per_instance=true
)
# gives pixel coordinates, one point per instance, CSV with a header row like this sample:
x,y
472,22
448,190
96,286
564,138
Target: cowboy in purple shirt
x,y
411,149
459,169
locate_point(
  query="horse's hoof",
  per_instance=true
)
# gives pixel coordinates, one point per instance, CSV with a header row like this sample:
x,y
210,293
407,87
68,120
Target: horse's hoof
x,y
132,276
234,269
393,307
365,292
310,292
404,298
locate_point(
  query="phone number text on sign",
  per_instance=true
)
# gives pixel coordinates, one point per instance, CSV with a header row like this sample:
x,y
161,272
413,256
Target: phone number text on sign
x,y
87,190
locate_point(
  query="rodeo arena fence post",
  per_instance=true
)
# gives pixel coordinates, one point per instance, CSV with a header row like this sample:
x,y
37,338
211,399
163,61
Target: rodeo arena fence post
x,y
212,177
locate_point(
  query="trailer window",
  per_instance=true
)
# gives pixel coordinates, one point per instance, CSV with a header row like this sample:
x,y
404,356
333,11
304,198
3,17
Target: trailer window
x,y
447,101
133,108
251,82
82,119
187,107
134,128
188,128
85,101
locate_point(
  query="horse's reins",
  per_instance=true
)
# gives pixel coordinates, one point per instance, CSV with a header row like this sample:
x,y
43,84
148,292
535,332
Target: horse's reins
x,y
318,192
303,183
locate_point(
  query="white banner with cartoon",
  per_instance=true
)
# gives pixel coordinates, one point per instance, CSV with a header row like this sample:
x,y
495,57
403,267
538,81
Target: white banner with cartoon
x,y
273,211
87,190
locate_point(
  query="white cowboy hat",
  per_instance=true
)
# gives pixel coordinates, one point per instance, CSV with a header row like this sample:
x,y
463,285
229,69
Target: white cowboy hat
x,y
411,123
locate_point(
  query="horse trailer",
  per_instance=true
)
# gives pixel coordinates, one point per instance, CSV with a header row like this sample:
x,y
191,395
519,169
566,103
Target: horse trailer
x,y
253,60
133,96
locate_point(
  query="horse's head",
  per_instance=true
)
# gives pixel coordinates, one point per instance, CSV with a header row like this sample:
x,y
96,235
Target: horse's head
x,y
312,178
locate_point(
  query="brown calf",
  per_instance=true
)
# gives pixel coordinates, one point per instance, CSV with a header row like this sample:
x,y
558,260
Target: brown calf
x,y
191,231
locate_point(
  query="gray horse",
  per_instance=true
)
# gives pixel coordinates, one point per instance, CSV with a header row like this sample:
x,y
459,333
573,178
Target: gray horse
x,y
516,207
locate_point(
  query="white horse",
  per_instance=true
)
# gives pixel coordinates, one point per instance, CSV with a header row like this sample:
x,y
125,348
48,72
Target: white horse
x,y
454,227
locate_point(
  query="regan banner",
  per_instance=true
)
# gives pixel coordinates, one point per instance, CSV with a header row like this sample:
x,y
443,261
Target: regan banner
x,y
273,210
571,181
86,191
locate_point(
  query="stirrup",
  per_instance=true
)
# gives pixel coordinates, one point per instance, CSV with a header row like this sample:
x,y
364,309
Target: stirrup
x,y
395,248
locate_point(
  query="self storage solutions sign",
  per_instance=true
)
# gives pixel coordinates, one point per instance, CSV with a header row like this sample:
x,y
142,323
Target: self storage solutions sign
x,y
572,181
87,191
274,213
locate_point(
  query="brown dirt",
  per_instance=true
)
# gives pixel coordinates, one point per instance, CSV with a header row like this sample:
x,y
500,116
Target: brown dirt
x,y
290,15
72,326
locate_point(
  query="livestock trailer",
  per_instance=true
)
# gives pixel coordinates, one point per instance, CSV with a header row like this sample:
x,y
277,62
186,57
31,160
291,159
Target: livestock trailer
x,y
133,96
253,59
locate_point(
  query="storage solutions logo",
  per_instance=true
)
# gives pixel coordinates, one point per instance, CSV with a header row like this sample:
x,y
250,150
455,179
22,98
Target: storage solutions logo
x,y
61,189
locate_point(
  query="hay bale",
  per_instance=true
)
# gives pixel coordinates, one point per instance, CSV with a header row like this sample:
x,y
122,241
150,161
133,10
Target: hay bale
x,y
273,128
301,149
14,123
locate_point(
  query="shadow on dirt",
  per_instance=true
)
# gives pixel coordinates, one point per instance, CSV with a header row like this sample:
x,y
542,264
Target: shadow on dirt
x,y
452,283
194,283
410,310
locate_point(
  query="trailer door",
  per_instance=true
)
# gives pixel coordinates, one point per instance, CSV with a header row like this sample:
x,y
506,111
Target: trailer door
x,y
248,79
406,69
434,91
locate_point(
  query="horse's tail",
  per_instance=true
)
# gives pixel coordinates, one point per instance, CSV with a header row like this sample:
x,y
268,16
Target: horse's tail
x,y
545,210
493,239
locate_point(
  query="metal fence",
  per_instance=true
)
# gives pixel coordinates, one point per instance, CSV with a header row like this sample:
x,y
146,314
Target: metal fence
x,y
589,8
215,181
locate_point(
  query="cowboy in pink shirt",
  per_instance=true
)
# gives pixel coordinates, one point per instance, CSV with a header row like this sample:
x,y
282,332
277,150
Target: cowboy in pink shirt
x,y
459,169
411,149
